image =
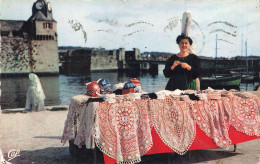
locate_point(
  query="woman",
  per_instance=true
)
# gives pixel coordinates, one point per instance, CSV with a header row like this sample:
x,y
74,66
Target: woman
x,y
182,68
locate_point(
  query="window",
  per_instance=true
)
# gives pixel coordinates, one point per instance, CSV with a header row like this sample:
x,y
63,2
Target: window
x,y
47,25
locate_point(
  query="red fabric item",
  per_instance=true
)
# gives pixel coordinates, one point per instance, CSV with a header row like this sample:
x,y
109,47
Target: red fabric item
x,y
202,141
92,89
135,81
126,91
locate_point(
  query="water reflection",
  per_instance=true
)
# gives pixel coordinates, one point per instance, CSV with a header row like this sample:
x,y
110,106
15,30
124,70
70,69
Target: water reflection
x,y
59,89
14,91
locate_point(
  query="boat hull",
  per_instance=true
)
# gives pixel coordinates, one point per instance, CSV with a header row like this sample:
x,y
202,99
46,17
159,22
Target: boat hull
x,y
248,78
227,81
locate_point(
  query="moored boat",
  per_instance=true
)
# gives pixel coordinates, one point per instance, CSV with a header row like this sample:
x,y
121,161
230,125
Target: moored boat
x,y
221,81
246,78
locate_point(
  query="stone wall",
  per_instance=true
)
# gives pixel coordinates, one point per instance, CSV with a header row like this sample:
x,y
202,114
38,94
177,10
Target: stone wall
x,y
14,55
75,61
84,61
103,60
45,56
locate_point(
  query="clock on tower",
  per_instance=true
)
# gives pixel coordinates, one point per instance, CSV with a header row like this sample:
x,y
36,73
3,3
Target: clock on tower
x,y
39,5
41,24
42,10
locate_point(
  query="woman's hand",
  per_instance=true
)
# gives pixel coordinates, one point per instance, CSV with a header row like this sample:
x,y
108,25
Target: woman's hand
x,y
185,66
176,63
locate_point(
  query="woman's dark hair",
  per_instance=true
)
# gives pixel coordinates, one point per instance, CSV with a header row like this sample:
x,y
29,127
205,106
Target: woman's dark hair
x,y
180,37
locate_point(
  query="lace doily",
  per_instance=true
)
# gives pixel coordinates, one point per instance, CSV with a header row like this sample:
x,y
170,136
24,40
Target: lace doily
x,y
86,125
122,130
72,122
245,115
122,127
174,123
213,117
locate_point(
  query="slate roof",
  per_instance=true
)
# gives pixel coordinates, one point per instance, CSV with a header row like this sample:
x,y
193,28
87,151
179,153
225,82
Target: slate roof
x,y
41,17
11,25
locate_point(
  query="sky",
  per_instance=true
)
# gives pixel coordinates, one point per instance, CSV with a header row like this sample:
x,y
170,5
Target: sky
x,y
151,25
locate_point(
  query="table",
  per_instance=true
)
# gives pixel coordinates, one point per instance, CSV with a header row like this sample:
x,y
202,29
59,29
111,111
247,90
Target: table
x,y
126,129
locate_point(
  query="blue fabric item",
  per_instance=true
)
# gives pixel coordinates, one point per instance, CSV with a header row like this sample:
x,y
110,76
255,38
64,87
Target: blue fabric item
x,y
105,86
129,85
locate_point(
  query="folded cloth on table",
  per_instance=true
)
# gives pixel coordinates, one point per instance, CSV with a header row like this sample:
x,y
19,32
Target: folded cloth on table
x,y
149,95
213,96
137,95
202,96
117,86
184,98
110,98
161,94
145,96
176,92
118,91
193,97
243,94
130,96
120,98
94,100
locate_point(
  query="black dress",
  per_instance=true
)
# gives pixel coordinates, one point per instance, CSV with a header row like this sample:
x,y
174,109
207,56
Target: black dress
x,y
181,78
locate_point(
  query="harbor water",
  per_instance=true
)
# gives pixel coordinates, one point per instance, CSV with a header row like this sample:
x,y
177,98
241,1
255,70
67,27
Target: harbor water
x,y
59,89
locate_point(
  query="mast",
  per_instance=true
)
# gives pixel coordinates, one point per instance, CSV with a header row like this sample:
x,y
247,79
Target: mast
x,y
242,50
246,57
216,54
242,43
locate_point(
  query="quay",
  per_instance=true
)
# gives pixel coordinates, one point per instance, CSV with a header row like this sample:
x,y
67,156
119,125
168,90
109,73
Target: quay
x,y
48,108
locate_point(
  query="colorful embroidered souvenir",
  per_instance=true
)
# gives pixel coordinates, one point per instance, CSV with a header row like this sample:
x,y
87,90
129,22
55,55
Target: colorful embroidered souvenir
x,y
105,86
135,81
138,88
128,88
93,89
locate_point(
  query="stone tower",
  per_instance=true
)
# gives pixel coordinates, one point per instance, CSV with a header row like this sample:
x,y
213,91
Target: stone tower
x,y
42,39
30,46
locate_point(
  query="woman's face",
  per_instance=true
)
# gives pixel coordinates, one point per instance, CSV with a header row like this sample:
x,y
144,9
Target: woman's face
x,y
184,45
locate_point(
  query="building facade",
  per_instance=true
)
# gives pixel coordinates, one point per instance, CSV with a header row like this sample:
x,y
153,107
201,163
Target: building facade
x,y
32,45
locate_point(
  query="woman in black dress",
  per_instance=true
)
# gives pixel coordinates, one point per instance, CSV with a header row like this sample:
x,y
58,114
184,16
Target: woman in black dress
x,y
182,68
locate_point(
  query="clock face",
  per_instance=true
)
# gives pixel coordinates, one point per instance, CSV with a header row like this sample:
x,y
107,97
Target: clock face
x,y
39,5
49,6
